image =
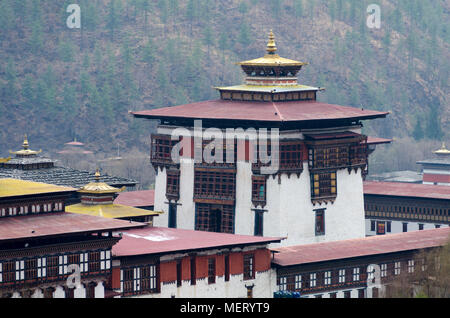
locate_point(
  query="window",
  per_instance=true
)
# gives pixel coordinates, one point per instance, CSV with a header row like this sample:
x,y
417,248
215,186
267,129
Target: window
x,y
211,270
320,222
259,222
333,295
62,264
323,184
20,270
347,294
94,261
126,280
342,276
405,227
214,218
388,227
173,184
52,266
298,282
420,227
329,157
213,185
259,190
383,268
249,266
161,149
356,274
437,226
327,278
41,267
172,216
90,290
381,228
8,270
411,266
312,280
397,268
30,268
282,285
148,279
361,293
84,257
105,260
372,225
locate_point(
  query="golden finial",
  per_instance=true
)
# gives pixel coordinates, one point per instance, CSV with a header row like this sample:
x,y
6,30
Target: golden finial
x,y
97,175
443,150
271,46
25,144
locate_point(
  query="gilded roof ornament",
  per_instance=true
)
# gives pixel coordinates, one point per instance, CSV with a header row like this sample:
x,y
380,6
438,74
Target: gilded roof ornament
x,y
271,46
99,187
443,151
25,151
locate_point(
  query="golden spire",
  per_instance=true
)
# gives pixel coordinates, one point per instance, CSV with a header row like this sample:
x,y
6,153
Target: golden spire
x,y
25,144
271,46
443,150
97,175
25,151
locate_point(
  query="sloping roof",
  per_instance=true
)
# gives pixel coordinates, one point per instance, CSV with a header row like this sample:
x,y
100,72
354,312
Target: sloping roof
x,y
381,244
288,111
63,176
378,140
55,224
155,240
112,211
15,187
136,198
402,189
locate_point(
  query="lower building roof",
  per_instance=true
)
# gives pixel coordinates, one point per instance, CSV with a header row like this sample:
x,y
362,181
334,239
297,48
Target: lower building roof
x,y
112,211
368,246
157,240
58,224
403,189
15,187
136,198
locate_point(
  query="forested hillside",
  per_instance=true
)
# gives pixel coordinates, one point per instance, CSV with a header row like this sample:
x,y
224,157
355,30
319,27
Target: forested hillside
x,y
57,84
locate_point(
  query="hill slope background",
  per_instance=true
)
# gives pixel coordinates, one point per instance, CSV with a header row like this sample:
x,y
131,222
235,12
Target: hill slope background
x,y
57,84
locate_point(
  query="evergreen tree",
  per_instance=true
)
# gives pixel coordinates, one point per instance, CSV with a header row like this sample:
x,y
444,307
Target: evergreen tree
x,y
418,133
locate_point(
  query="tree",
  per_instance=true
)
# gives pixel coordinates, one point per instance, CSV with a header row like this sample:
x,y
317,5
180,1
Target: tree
x,y
418,133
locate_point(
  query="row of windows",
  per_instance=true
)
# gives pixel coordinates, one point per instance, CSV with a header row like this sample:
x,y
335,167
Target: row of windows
x,y
406,209
33,208
331,157
383,227
302,282
53,267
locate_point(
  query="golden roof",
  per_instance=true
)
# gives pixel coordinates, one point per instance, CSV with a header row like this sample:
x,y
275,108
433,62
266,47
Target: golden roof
x,y
443,150
271,58
110,211
25,151
99,187
4,160
16,187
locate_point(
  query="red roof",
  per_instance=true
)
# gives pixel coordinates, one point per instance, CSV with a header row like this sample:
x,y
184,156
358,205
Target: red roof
x,y
261,111
19,227
136,198
381,244
155,240
405,189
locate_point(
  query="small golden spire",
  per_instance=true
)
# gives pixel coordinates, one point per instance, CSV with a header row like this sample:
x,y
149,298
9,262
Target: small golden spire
x,y
271,46
443,150
25,144
97,175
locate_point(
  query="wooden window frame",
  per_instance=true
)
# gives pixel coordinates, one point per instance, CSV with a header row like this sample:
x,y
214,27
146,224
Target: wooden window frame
x,y
259,190
249,266
211,270
319,222
323,185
